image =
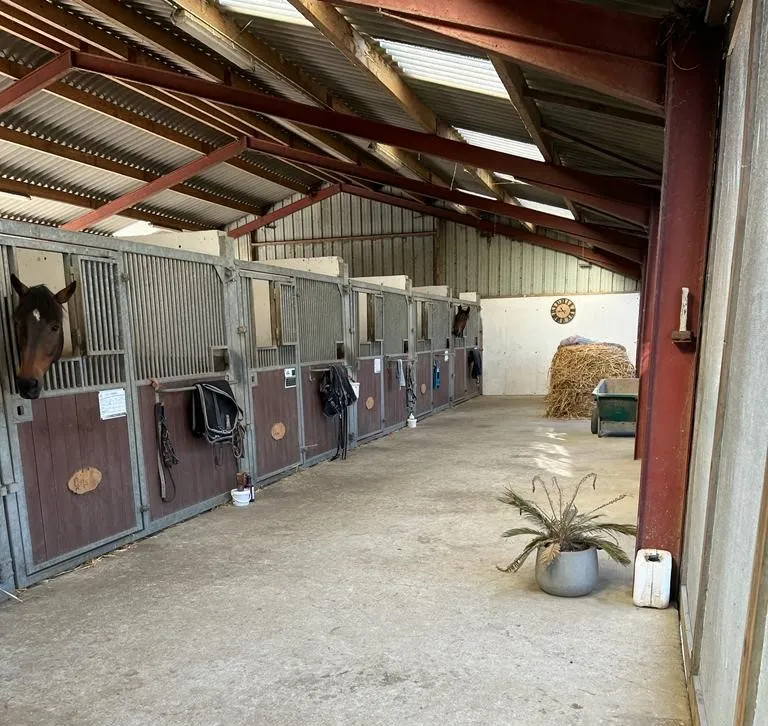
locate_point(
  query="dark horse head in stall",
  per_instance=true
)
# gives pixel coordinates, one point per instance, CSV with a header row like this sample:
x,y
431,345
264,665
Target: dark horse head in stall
x,y
460,321
37,319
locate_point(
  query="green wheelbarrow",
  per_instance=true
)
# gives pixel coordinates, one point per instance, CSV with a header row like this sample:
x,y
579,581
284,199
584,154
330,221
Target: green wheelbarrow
x,y
615,411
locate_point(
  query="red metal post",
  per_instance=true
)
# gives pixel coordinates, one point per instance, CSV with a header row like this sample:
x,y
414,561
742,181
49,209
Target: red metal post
x,y
177,176
693,79
35,81
285,211
623,245
607,50
647,310
618,198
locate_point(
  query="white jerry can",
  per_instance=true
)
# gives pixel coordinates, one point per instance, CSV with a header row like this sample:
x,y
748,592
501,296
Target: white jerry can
x,y
653,577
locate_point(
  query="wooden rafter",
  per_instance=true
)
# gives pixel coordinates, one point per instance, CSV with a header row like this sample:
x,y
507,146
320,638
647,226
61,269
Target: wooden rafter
x,y
313,91
596,47
514,83
368,56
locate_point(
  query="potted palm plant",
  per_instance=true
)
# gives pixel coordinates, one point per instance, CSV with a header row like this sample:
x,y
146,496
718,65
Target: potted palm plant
x,y
566,540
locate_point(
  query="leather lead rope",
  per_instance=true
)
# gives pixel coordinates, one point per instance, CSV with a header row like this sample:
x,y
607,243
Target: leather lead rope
x,y
166,454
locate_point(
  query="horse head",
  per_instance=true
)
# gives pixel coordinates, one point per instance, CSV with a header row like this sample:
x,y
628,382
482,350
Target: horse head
x,y
37,319
460,321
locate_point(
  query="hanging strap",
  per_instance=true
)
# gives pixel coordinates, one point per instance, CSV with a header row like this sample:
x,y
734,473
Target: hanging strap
x,y
166,454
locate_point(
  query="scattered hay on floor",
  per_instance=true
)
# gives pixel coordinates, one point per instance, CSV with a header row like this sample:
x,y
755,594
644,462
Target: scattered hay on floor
x,y
575,372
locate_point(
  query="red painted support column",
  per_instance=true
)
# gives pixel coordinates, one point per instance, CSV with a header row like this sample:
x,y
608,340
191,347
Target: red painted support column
x,y
693,79
650,274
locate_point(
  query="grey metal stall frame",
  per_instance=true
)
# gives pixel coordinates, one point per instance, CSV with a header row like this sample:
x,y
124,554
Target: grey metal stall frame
x,y
153,320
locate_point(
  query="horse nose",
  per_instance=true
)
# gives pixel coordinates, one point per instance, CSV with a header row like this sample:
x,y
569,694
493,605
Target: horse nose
x,y
28,387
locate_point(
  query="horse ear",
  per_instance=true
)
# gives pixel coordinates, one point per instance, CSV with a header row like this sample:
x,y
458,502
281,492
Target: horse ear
x,y
63,295
19,286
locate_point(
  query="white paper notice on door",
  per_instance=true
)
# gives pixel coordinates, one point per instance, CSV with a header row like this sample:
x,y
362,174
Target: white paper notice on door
x,y
112,403
377,365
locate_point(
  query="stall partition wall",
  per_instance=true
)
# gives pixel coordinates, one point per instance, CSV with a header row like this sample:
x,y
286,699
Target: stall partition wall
x,y
368,325
79,467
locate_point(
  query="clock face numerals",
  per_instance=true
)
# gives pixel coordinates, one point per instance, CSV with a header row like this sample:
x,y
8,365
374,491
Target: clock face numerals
x,y
563,310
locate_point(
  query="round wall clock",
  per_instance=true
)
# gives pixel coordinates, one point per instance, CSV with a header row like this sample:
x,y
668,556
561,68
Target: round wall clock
x,y
563,310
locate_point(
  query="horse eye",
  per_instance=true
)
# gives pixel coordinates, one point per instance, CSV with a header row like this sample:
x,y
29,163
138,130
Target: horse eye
x,y
55,328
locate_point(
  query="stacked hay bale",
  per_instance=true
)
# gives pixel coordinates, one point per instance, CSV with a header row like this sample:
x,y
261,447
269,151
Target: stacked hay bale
x,y
575,372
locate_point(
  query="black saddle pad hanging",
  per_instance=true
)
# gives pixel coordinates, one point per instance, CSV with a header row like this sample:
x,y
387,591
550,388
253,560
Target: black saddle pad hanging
x,y
215,413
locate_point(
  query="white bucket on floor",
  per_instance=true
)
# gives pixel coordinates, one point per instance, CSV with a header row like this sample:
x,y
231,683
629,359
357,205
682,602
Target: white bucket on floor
x,y
411,421
241,498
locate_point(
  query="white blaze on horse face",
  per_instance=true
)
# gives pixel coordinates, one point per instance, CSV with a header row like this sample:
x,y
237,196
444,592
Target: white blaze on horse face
x,y
36,315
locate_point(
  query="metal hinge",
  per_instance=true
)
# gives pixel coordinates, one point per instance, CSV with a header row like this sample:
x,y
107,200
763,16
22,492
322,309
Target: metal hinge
x,y
6,489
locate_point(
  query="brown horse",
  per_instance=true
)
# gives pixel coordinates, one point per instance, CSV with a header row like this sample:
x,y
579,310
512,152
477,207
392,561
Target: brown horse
x,y
460,321
37,319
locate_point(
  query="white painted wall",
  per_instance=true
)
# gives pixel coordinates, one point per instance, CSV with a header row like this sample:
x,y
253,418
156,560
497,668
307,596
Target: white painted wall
x,y
332,266
520,337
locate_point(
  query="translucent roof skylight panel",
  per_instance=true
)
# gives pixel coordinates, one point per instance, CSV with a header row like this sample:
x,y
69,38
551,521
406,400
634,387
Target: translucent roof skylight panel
x,y
469,110
499,143
446,69
280,10
547,208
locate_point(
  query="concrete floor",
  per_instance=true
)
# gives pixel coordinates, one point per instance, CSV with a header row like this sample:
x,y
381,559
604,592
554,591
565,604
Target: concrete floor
x,y
357,592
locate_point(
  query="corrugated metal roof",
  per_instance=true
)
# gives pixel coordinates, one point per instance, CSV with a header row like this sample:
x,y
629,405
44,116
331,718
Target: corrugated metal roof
x,y
445,69
19,51
503,144
380,25
548,208
456,81
310,50
270,9
464,109
640,142
650,8
40,211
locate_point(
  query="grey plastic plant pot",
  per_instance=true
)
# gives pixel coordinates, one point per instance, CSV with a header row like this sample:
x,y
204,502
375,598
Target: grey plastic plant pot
x,y
572,574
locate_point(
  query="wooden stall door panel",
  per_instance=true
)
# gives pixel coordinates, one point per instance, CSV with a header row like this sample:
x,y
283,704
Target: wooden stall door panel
x,y
423,383
276,417
67,435
441,396
320,432
203,472
395,403
368,419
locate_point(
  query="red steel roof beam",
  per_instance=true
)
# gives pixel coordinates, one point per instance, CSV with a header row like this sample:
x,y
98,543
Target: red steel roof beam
x,y
506,230
177,176
607,50
285,211
620,199
35,81
611,241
